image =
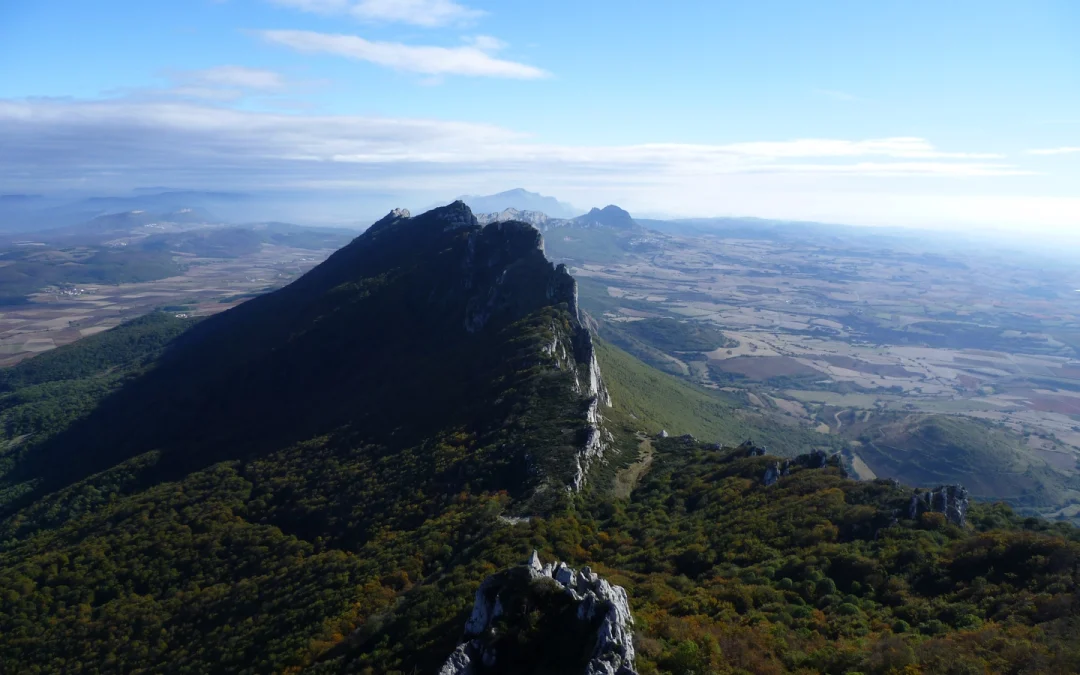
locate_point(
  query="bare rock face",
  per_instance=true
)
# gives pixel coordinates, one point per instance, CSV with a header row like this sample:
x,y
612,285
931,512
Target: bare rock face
x,y
579,357
584,625
537,219
950,500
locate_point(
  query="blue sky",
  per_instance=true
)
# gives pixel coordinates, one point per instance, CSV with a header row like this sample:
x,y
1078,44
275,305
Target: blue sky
x,y
940,114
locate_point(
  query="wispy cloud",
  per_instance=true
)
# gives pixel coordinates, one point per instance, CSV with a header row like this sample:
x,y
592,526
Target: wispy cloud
x,y
428,13
472,60
239,77
1067,150
224,84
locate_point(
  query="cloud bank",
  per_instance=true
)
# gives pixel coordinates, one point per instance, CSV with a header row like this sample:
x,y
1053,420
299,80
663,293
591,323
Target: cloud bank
x,y
128,141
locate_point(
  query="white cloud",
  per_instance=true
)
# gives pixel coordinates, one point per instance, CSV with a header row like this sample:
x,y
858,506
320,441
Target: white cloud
x,y
427,13
486,43
220,83
239,77
1055,151
470,60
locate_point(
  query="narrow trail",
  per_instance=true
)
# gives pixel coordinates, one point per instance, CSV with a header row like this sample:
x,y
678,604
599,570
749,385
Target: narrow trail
x,y
839,422
627,479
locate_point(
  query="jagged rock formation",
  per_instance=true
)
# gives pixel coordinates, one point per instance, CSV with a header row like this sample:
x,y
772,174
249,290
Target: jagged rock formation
x,y
815,459
537,219
584,625
950,500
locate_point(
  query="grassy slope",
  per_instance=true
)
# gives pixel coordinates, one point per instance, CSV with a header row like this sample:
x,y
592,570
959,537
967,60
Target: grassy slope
x,y
599,245
652,400
938,449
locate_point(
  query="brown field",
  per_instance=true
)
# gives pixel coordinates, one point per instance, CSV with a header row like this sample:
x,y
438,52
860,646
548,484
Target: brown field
x,y
764,367
1065,405
207,287
883,369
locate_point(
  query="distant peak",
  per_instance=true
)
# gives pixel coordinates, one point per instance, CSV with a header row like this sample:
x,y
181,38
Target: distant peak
x,y
400,213
522,200
609,216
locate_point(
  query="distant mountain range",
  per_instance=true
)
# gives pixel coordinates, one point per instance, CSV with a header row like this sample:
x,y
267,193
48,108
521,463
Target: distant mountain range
x,y
609,217
520,200
31,213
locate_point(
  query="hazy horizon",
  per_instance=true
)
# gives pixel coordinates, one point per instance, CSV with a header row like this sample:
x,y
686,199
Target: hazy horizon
x,y
892,114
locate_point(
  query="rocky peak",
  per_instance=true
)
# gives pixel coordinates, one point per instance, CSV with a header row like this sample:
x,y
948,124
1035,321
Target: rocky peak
x,y
454,216
609,216
584,624
389,220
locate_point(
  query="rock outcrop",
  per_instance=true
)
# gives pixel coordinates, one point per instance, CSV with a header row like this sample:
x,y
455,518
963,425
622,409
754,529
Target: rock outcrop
x,y
815,459
748,449
950,500
537,219
584,624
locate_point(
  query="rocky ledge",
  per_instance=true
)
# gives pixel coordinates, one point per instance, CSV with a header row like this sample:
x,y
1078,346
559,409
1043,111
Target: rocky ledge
x,y
546,618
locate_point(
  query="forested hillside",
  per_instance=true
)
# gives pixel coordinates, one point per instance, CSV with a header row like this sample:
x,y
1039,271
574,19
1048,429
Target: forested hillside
x,y
319,480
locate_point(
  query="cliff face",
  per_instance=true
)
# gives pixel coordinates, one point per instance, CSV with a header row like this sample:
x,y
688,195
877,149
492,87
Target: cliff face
x,y
546,618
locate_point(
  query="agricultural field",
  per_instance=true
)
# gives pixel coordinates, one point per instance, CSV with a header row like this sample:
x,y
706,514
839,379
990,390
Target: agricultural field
x,y
872,338
193,285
